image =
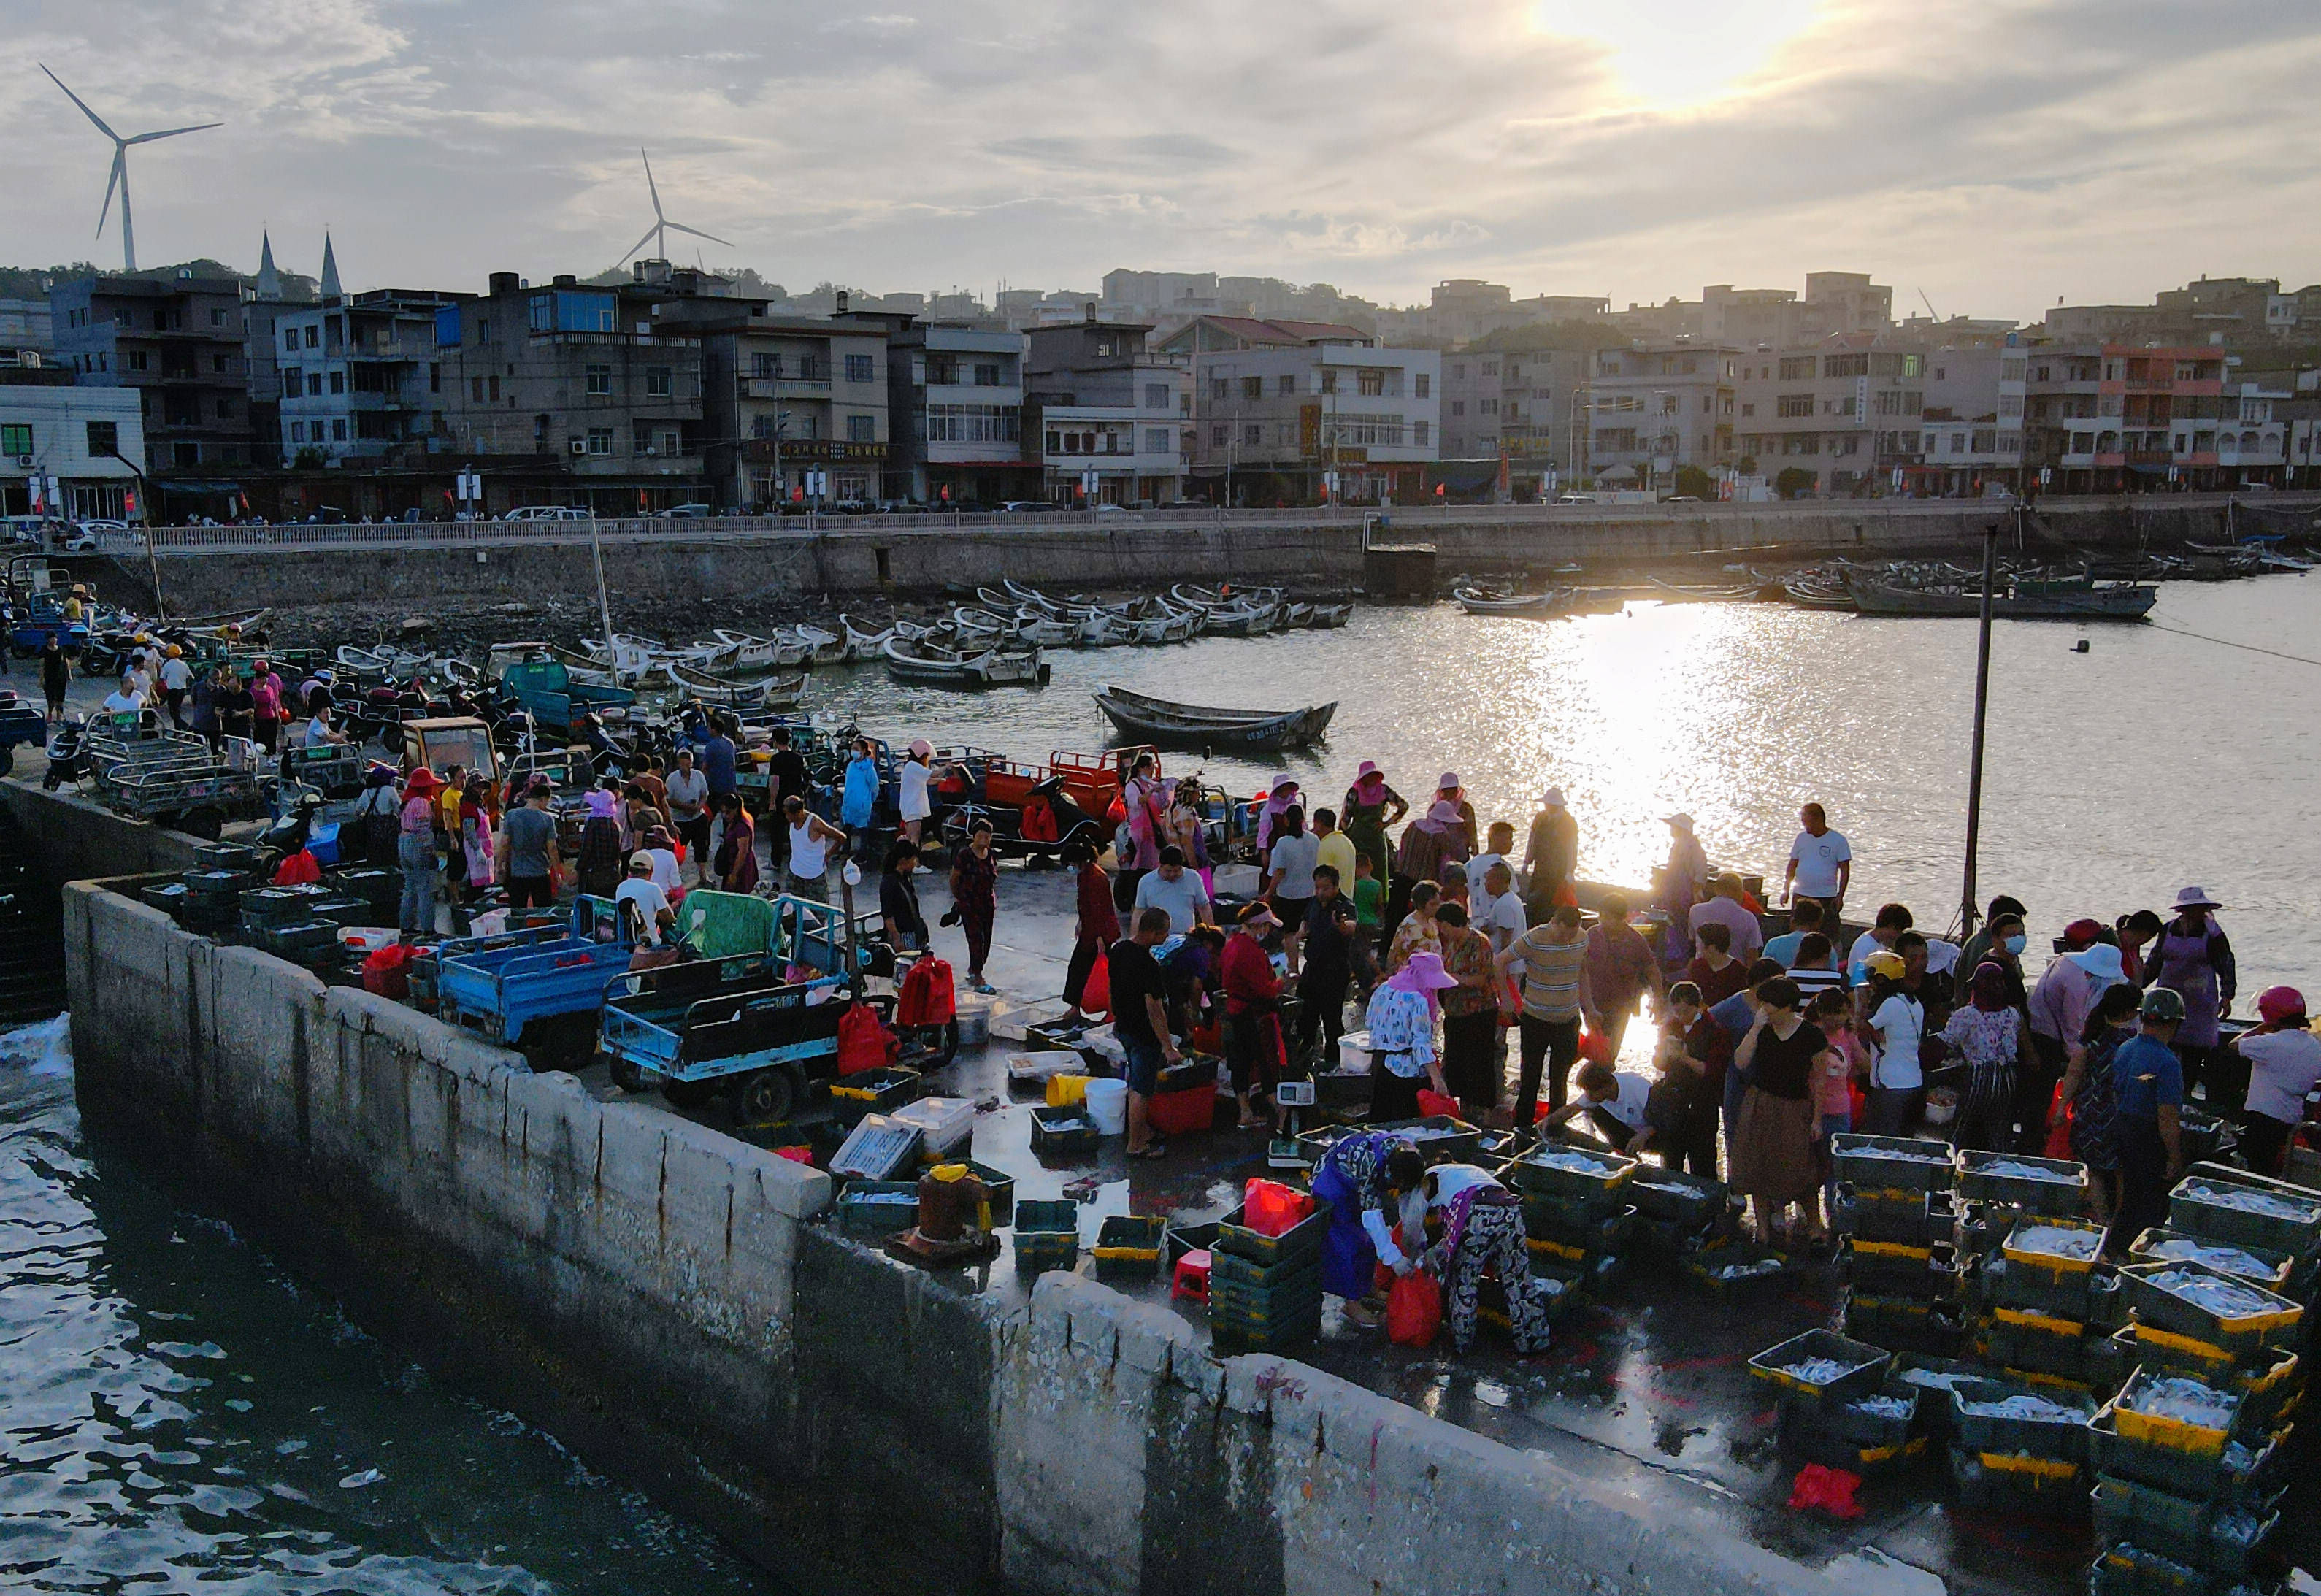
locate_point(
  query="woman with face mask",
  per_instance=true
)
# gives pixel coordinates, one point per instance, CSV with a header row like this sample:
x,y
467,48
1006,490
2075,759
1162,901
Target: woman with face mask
x,y
2192,958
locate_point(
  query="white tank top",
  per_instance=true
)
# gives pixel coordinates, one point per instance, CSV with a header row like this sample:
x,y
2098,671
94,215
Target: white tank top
x,y
806,850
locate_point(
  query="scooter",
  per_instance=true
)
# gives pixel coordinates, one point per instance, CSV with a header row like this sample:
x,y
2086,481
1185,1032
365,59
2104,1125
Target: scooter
x,y
68,755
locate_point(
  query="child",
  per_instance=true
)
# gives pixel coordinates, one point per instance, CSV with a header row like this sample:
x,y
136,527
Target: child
x,y
1616,1101
1369,925
1670,1108
1832,1088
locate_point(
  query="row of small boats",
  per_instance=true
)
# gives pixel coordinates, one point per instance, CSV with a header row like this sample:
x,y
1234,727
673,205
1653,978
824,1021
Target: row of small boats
x,y
1017,613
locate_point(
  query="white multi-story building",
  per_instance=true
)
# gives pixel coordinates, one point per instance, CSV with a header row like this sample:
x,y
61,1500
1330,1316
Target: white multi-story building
x,y
1653,409
73,452
1105,414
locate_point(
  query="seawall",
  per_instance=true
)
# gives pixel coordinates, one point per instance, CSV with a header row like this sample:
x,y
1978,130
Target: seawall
x,y
662,1296
741,562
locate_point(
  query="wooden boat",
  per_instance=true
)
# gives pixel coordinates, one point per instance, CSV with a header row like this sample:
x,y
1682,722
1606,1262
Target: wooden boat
x,y
773,692
1330,616
459,673
822,648
220,628
2081,602
1668,592
631,658
1486,601
984,624
1044,630
1103,629
383,660
861,643
1159,720
583,671
1806,595
749,653
920,661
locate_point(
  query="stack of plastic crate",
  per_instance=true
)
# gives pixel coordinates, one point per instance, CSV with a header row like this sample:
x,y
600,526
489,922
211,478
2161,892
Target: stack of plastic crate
x,y
1576,1211
1265,1291
1840,1405
1895,1223
2030,1319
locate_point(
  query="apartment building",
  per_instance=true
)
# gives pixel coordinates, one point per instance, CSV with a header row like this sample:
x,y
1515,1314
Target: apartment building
x,y
1777,318
69,451
1284,409
178,341
572,394
2102,417
357,378
787,396
1970,430
1512,403
955,400
1106,414
1647,411
1847,411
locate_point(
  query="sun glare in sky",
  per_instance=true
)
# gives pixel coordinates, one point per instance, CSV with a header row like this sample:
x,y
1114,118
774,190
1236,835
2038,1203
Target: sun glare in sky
x,y
1679,52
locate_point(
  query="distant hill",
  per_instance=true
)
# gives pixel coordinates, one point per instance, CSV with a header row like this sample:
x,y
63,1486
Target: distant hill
x,y
30,282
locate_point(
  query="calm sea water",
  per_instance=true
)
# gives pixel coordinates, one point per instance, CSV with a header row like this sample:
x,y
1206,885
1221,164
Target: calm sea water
x,y
2112,778
176,1415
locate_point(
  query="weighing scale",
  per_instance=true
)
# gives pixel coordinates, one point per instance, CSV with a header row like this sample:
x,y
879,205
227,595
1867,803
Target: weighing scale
x,y
1295,1099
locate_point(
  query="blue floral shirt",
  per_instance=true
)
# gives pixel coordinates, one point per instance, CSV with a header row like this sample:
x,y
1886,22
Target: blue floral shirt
x,y
1403,1029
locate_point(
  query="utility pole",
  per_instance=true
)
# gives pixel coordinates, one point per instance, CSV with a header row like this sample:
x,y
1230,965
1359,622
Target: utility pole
x,y
603,605
1981,713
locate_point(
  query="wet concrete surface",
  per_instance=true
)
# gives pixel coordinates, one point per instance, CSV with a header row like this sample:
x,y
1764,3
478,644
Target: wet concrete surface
x,y
1646,1384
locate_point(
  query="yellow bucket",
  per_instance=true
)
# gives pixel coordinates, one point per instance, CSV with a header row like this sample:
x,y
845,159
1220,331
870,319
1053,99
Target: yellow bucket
x,y
1067,1091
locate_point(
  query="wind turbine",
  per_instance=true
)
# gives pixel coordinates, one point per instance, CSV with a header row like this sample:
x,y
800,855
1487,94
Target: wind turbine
x,y
121,167
656,234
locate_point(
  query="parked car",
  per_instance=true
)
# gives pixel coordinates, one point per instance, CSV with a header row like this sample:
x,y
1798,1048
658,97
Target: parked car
x,y
546,513
685,513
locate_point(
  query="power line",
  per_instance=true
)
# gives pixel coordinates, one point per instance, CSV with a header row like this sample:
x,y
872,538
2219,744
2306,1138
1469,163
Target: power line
x,y
2222,643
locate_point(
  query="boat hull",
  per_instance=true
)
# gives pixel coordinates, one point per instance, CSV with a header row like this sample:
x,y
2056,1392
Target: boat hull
x,y
2093,604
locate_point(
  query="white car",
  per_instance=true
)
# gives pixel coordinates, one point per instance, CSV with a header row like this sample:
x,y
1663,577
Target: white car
x,y
545,513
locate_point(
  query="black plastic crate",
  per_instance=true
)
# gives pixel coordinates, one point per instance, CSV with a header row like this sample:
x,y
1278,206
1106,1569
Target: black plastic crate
x,y
1440,1138
1694,1202
1063,1133
1128,1247
881,1090
1301,1240
873,1211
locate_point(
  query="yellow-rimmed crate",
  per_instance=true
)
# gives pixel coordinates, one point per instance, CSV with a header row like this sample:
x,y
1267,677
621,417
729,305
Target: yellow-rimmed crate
x,y
2057,1186
2172,1453
2209,1308
1897,1268
2221,1540
2002,1482
2276,1272
2024,1339
1822,1369
2246,1211
2050,1264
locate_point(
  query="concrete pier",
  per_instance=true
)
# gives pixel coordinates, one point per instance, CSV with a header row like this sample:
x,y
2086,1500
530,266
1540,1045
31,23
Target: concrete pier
x,y
663,1296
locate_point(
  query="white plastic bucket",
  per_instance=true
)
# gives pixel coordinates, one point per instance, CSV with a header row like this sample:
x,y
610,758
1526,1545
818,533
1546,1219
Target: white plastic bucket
x,y
1107,1105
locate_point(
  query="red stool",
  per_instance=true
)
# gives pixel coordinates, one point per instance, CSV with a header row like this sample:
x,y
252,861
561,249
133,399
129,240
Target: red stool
x,y
1192,1276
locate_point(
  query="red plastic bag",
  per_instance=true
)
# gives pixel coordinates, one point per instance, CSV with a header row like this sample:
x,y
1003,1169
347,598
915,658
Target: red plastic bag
x,y
863,1043
386,972
1430,1103
1596,1047
2059,1130
1095,992
1270,1209
298,870
1830,1490
1414,1309
926,998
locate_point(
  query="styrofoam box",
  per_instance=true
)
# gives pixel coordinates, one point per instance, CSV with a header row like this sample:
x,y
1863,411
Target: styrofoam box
x,y
942,1123
1101,1042
1011,1022
1039,1066
1354,1053
1238,880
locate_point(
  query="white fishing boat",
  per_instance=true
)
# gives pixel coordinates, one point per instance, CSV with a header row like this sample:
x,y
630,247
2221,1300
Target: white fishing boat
x,y
923,661
973,623
630,659
1032,627
772,692
459,673
749,653
822,648
1103,629
1330,616
863,642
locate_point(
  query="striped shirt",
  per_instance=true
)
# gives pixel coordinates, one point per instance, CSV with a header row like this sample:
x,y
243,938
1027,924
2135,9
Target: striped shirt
x,y
1813,983
1552,970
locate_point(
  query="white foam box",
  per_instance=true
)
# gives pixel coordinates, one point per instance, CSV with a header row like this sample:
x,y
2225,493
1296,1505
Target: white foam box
x,y
1011,1021
1099,1042
1238,880
1354,1053
944,1124
1035,1067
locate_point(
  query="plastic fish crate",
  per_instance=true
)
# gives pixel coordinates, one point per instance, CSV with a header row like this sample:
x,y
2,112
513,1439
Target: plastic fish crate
x,y
1063,1133
1838,1370
1002,1187
239,858
1181,1239
2202,1436
1128,1247
2223,1542
1572,1225
1593,1176
2018,1339
1270,1285
2243,1473
1300,1241
2049,1186
169,897
1676,1196
876,1149
2036,1433
1034,1069
1440,1138
1937,1376
1047,1235
2125,1569
1727,1271
1870,1460
281,906
2207,1305
2246,1216
1230,1336
881,1090
2036,1487
1888,1213
1870,1421
1666,1239
872,1210
1908,1325
1897,1269
945,1125
1893,1162
2260,1266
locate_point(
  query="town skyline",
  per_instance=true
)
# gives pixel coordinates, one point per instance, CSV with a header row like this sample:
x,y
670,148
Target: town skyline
x,y
2005,156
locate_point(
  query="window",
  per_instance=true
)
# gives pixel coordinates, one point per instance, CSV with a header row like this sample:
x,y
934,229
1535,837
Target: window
x,y
1329,382
1370,383
15,440
226,409
137,359
657,382
1748,409
807,425
1156,441
475,390
217,318
642,436
313,337
434,376
1487,407
494,385
1423,384
1220,387
765,365
298,432
1843,365
338,431
600,440
1252,387
862,429
1217,436
338,384
600,382
861,369
217,363
973,424
1797,367
1252,435
1156,396
1286,386
1458,407
761,425
1794,403
987,374
1418,430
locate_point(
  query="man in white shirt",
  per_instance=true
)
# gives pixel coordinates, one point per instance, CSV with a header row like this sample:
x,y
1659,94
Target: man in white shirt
x,y
660,850
1821,864
124,699
688,805
1174,887
1614,1099
177,677
1494,907
911,785
650,902
1501,841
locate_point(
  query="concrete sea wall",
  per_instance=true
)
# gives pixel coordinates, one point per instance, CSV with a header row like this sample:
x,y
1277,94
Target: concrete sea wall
x,y
925,554
661,1296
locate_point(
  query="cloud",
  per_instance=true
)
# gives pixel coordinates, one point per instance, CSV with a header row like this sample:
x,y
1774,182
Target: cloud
x,y
1995,152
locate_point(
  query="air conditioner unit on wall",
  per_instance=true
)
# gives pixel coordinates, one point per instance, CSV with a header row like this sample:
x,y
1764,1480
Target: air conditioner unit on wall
x,y
24,461
579,445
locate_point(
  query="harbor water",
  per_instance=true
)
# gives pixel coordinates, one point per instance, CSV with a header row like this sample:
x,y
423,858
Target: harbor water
x,y
178,1415
2152,762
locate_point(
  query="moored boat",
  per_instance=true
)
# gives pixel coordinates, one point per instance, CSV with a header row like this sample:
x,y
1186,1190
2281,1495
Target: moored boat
x,y
910,659
1160,720
863,642
2052,601
773,692
1486,601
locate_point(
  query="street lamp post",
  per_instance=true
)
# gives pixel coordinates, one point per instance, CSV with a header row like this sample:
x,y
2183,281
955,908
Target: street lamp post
x,y
152,559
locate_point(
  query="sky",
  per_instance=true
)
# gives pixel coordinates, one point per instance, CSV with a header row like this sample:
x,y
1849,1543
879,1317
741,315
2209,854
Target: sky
x,y
1989,155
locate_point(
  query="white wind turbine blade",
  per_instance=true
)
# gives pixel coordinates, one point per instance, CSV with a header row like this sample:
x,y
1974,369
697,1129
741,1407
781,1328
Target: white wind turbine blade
x,y
651,187
172,132
84,111
696,233
118,178
641,243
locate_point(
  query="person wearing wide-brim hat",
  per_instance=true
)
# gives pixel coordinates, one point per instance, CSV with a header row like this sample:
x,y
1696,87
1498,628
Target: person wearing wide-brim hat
x,y
415,851
2192,957
1551,856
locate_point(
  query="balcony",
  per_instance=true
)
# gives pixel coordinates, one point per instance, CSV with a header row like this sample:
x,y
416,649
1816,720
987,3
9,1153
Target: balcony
x,y
784,387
